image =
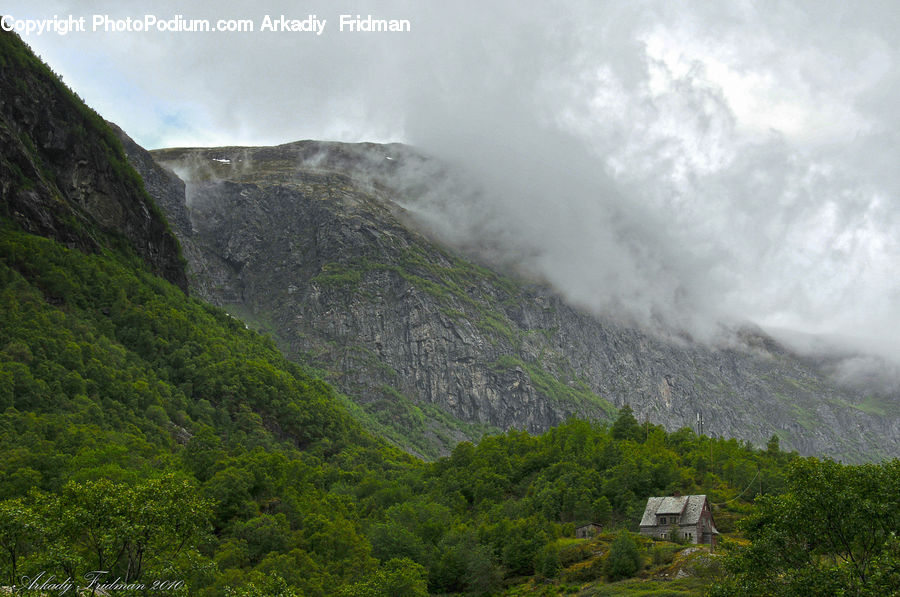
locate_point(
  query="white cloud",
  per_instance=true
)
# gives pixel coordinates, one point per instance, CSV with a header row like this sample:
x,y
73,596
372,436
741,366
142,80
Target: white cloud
x,y
677,160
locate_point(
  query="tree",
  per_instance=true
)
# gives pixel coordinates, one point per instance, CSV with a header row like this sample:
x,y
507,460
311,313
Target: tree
x,y
464,565
105,526
401,577
521,545
264,534
546,563
482,575
626,426
270,586
833,532
391,540
166,515
602,510
624,560
19,528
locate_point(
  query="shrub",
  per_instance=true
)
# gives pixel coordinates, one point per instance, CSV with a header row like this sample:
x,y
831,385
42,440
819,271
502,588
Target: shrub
x,y
624,560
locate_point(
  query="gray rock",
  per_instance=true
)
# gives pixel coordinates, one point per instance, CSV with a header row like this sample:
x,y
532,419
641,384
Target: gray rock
x,y
63,174
298,240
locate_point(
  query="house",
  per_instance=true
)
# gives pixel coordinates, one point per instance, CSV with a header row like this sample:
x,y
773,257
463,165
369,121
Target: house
x,y
680,517
587,531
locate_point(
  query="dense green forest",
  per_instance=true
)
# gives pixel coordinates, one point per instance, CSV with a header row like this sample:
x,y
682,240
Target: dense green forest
x,y
152,436
114,385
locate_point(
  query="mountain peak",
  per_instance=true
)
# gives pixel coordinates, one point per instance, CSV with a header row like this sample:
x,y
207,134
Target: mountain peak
x,y
313,242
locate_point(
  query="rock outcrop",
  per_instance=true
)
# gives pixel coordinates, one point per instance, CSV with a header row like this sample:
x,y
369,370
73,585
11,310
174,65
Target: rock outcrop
x,y
64,174
306,242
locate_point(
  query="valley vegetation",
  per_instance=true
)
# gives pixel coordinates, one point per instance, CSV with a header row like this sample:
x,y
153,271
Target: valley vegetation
x,y
150,435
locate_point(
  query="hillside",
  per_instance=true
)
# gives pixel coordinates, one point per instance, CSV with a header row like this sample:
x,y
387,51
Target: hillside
x,y
318,245
64,174
139,425
153,436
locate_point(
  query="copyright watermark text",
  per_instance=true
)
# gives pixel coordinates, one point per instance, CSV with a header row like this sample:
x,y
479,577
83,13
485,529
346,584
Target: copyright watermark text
x,y
103,23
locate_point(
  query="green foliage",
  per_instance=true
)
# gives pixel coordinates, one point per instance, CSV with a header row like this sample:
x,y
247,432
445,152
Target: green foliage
x,y
100,525
20,528
624,560
268,586
626,426
661,555
639,587
397,578
833,532
465,566
111,377
547,562
105,370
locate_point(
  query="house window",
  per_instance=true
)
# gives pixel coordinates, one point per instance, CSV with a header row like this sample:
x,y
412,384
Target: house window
x,y
662,520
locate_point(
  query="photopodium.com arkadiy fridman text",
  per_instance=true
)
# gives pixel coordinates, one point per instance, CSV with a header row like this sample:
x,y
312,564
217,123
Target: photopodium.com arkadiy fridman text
x,y
102,23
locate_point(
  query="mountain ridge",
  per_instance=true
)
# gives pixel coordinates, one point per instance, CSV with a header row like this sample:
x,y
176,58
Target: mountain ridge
x,y
65,175
310,241
151,436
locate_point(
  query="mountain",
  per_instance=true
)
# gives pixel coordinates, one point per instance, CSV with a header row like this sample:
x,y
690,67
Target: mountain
x,y
148,434
150,437
64,174
142,430
318,244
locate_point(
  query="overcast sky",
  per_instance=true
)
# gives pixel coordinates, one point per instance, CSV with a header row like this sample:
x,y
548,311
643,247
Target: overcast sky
x,y
683,160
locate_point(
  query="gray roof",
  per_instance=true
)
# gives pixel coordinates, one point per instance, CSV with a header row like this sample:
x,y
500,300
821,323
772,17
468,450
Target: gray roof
x,y
689,506
649,518
672,505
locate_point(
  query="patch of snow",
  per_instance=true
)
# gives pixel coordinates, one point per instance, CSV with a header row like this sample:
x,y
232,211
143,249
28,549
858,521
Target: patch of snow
x,y
222,160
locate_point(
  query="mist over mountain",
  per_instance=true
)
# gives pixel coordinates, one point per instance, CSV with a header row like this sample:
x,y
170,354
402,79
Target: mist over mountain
x,y
437,335
679,164
154,438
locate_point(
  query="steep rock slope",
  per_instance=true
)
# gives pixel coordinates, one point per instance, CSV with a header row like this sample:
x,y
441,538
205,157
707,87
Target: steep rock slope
x,y
64,174
128,406
306,240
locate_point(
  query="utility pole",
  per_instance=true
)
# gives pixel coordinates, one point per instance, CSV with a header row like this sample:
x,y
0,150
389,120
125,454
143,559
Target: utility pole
x,y
700,427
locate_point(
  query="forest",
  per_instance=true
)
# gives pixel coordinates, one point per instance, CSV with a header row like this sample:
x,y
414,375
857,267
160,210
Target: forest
x,y
152,435
155,438
115,385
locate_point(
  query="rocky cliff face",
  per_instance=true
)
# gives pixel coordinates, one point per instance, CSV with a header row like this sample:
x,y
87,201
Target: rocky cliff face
x,y
64,174
303,241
